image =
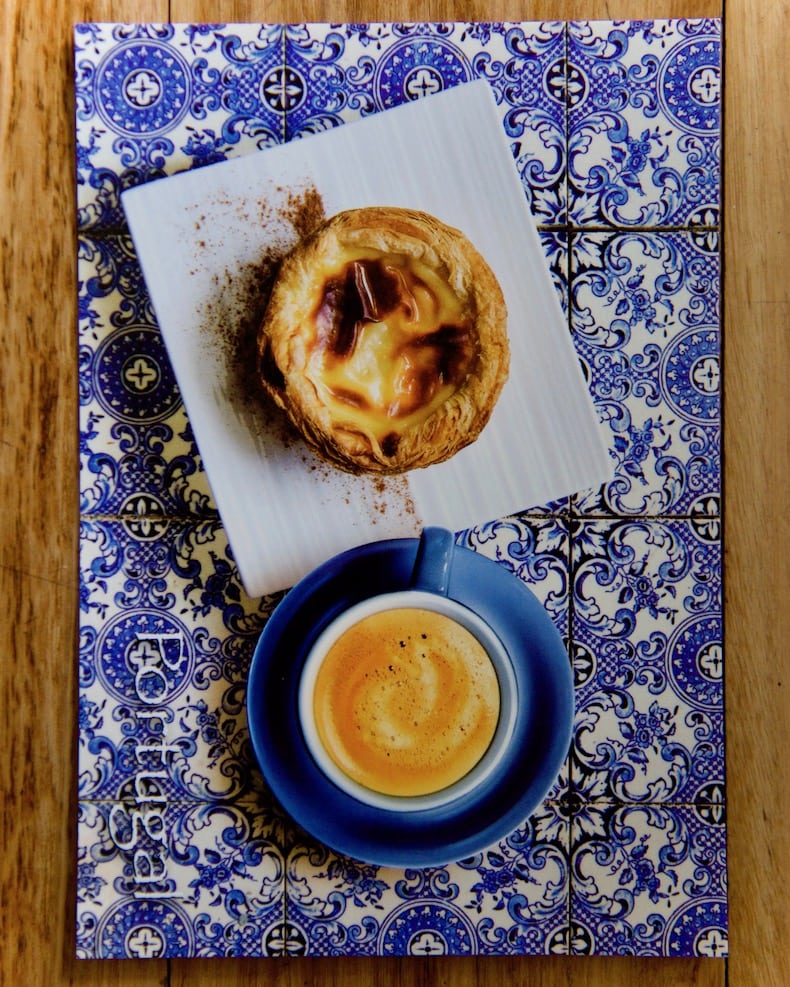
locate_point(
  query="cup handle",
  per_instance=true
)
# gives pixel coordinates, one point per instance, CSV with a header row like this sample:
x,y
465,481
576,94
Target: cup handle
x,y
432,566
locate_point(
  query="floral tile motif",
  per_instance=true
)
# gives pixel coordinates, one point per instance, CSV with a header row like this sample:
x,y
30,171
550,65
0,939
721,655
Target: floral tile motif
x,y
645,319
510,899
152,100
644,123
648,661
166,638
138,456
337,73
182,850
537,551
649,880
203,879
557,252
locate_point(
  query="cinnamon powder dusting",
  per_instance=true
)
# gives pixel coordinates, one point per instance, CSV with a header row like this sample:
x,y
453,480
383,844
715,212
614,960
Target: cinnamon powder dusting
x,y
242,294
305,211
233,318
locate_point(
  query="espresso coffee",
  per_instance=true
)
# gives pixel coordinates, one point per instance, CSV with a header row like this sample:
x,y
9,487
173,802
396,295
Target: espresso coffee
x,y
406,701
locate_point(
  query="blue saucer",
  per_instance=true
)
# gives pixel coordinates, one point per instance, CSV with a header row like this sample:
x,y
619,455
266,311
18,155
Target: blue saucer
x,y
451,831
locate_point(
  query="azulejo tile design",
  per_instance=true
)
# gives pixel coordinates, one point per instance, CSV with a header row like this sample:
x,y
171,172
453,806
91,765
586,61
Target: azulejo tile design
x,y
182,851
644,123
646,324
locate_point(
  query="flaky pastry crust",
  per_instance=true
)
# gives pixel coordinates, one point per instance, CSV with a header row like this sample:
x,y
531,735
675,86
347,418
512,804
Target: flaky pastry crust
x,y
390,293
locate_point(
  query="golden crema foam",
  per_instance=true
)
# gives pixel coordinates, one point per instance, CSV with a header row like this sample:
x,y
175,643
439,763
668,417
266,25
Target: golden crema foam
x,y
406,702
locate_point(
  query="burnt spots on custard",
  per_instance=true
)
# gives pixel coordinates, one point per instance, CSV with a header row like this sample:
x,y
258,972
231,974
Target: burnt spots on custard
x,y
389,444
367,290
338,316
451,350
391,343
382,289
428,364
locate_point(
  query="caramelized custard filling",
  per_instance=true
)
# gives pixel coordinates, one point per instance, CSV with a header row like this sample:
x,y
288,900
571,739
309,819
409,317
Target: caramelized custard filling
x,y
390,344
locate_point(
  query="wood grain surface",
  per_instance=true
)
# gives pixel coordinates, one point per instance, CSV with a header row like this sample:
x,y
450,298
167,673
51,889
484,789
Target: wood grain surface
x,y
39,510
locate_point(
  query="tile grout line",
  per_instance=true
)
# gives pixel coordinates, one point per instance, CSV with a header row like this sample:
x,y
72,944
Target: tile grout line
x,y
569,515
114,232
169,980
558,801
568,235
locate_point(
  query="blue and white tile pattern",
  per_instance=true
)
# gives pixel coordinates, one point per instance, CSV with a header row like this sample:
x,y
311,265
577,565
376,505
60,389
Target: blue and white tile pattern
x,y
615,131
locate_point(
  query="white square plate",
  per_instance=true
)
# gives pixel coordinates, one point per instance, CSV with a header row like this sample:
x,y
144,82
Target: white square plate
x,y
200,235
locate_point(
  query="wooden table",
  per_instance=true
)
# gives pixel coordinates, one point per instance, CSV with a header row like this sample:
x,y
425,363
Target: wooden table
x,y
38,457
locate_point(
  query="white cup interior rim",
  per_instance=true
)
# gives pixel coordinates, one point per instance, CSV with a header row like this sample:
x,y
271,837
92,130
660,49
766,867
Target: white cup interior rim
x,y
508,692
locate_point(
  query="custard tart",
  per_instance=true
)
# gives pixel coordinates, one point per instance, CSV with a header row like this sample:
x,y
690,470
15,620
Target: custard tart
x,y
385,340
